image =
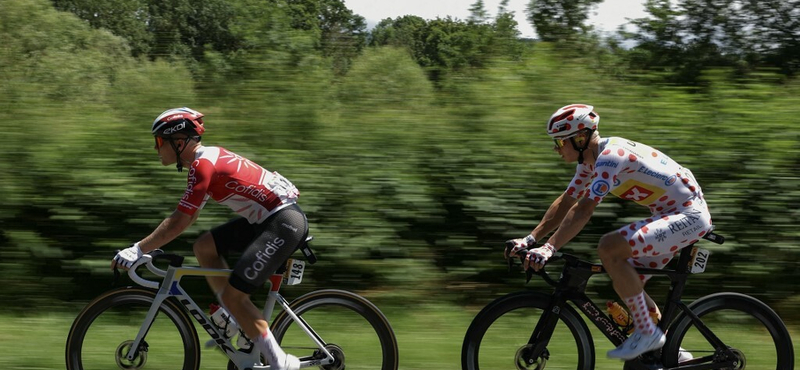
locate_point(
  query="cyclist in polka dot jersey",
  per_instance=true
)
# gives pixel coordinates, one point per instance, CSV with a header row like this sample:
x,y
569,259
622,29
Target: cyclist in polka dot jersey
x,y
632,171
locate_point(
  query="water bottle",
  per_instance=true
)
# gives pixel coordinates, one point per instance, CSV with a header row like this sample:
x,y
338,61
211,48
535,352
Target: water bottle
x,y
223,320
620,316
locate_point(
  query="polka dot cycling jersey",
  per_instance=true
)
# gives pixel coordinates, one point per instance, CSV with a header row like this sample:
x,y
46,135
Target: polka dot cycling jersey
x,y
636,172
230,179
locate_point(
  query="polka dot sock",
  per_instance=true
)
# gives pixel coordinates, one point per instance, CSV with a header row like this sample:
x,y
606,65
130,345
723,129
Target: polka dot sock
x,y
640,314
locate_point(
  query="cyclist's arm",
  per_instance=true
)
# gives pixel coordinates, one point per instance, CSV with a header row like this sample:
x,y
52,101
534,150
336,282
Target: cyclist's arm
x,y
168,230
554,216
577,217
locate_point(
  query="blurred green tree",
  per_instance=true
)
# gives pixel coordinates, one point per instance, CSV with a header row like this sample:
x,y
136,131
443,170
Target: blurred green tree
x,y
560,20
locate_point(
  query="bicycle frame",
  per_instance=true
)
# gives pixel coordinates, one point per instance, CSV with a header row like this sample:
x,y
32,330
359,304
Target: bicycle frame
x,y
571,288
170,287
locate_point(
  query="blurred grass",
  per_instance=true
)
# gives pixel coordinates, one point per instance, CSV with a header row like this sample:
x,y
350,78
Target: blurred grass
x,y
429,337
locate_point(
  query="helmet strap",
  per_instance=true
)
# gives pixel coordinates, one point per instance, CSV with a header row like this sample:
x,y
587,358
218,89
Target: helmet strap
x,y
179,163
580,149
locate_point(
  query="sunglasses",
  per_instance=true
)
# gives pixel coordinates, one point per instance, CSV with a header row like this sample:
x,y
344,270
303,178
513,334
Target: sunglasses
x,y
159,142
563,141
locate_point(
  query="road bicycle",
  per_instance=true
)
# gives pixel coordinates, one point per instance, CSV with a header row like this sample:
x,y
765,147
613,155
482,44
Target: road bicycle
x,y
534,330
151,327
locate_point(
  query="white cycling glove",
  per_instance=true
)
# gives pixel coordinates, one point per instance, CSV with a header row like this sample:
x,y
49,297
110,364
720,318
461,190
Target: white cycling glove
x,y
128,256
519,244
539,256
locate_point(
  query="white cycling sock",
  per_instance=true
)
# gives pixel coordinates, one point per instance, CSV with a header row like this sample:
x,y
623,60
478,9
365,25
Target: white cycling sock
x,y
640,314
270,349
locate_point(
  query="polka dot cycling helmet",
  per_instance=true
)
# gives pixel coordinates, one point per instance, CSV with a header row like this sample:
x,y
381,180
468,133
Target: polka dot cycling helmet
x,y
571,119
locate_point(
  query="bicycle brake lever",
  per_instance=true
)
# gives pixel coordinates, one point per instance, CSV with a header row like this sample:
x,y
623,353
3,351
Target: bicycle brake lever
x,y
509,259
116,273
528,275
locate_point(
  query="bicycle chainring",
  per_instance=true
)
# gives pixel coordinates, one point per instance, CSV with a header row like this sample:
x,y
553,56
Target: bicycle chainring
x,y
537,364
138,362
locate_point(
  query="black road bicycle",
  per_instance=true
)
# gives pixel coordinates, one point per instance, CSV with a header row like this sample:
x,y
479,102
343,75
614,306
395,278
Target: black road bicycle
x,y
534,330
151,327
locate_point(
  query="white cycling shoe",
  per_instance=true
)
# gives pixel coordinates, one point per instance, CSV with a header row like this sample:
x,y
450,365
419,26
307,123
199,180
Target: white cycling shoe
x,y
637,344
289,363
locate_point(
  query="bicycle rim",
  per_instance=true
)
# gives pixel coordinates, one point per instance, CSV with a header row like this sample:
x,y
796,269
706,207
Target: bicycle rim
x,y
499,335
756,336
103,333
353,329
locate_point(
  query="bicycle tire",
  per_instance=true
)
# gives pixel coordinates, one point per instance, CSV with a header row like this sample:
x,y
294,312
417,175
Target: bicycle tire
x,y
766,343
497,323
102,329
331,313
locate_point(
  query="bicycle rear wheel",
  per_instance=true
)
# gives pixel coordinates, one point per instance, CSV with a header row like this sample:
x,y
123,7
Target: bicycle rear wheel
x,y
500,333
104,331
755,334
353,329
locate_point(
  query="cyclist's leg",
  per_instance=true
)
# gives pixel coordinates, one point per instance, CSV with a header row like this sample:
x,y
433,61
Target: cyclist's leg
x,y
212,247
280,236
615,251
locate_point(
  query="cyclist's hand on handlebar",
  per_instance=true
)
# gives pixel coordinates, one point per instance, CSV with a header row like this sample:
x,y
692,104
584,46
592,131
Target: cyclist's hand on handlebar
x,y
514,246
538,257
127,257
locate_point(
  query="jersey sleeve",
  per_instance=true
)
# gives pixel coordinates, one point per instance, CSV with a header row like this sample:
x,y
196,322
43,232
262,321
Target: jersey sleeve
x,y
198,181
606,170
577,187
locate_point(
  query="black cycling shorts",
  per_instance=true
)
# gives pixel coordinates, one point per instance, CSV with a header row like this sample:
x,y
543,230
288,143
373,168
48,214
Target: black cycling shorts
x,y
264,246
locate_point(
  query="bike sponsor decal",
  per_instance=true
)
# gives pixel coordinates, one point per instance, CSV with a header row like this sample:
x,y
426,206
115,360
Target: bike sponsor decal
x,y
262,256
671,180
602,321
211,330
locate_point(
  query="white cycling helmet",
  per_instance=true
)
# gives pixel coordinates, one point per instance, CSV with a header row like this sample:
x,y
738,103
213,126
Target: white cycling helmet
x,y
570,119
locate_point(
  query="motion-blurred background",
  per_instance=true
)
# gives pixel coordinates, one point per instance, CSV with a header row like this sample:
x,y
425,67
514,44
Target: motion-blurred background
x,y
418,145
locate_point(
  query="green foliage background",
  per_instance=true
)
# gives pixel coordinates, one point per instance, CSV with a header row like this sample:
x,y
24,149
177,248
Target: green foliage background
x,y
414,163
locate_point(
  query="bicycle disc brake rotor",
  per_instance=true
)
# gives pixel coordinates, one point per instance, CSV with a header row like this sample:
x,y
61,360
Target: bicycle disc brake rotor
x,y
741,362
536,364
338,357
138,362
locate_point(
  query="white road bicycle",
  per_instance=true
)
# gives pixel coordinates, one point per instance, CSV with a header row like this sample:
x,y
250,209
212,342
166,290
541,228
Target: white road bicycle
x,y
151,326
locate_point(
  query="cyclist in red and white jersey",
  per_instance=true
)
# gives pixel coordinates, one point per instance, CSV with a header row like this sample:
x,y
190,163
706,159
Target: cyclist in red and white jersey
x,y
632,171
268,229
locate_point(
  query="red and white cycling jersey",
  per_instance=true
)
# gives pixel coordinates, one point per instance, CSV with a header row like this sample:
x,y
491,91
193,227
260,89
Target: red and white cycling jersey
x,y
636,172
230,179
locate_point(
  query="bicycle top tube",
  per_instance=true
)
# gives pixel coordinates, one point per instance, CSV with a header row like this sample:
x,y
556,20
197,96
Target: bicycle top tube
x,y
176,262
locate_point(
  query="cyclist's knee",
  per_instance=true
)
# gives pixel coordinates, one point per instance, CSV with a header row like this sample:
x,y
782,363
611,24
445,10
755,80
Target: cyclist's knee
x,y
613,248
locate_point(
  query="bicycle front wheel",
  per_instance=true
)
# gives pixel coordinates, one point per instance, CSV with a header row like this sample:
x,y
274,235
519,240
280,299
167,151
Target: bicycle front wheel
x,y
104,331
754,336
353,330
498,336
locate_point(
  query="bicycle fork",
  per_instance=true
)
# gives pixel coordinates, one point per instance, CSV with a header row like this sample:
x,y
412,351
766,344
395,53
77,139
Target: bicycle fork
x,y
540,338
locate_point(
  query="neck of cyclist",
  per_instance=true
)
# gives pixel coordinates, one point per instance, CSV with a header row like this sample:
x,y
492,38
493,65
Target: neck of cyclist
x,y
188,154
